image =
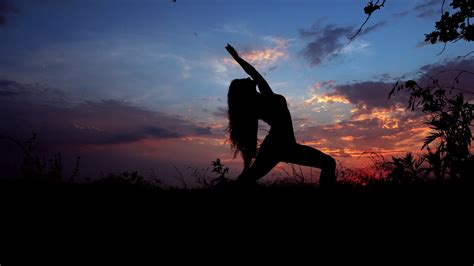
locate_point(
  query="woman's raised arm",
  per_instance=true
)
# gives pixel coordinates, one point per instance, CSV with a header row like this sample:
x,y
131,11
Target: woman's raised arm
x,y
262,84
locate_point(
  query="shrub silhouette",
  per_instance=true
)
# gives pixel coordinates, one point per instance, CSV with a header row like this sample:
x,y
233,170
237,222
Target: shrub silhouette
x,y
35,168
221,171
406,169
127,179
451,118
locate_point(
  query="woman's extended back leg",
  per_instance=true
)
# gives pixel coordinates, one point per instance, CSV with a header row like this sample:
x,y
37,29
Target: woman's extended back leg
x,y
308,156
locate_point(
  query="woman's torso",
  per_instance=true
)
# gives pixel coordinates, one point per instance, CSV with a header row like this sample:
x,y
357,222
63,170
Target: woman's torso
x,y
273,110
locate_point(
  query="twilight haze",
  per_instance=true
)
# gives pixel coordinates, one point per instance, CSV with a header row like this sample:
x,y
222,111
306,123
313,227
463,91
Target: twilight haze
x,y
135,85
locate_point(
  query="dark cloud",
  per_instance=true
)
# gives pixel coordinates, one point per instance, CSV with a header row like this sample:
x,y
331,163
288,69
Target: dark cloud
x,y
31,92
10,88
8,93
132,136
203,131
448,71
372,94
428,8
385,77
373,27
427,14
99,123
401,14
426,4
448,65
326,42
220,112
272,68
6,7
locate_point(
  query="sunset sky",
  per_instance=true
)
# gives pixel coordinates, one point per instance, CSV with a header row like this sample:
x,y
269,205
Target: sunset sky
x,y
135,85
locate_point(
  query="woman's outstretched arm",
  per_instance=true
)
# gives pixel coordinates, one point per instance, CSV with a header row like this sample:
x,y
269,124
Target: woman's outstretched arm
x,y
262,84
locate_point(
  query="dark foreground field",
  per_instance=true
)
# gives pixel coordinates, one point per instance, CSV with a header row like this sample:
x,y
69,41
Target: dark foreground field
x,y
424,220
377,197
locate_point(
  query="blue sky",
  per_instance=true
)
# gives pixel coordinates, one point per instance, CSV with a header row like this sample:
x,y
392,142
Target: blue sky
x,y
169,57
140,46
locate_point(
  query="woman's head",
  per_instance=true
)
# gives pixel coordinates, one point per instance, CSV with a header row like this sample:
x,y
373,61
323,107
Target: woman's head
x,y
243,86
242,112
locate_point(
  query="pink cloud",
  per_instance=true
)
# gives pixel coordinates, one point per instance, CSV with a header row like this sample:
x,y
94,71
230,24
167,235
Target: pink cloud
x,y
263,57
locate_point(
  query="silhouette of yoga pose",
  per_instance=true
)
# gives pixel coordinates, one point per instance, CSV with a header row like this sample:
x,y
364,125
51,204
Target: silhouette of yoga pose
x,y
246,106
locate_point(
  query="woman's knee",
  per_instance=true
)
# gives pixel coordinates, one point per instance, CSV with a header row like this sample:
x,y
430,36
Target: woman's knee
x,y
329,162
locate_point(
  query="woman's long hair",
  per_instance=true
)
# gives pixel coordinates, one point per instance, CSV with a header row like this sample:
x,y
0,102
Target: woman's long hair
x,y
243,121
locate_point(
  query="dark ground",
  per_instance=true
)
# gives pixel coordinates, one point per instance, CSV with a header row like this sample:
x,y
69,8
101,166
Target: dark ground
x,y
435,217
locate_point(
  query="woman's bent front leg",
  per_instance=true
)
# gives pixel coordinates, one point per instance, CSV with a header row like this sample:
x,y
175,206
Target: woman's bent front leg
x,y
264,163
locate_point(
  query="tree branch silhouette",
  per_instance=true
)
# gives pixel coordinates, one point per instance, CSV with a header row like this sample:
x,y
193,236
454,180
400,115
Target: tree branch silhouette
x,y
466,55
453,27
369,10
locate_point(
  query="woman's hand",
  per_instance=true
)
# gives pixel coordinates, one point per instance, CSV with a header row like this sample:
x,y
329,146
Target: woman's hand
x,y
231,51
262,84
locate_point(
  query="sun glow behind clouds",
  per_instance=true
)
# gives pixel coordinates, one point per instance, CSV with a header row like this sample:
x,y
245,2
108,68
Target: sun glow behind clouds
x,y
327,99
266,56
389,118
263,57
348,138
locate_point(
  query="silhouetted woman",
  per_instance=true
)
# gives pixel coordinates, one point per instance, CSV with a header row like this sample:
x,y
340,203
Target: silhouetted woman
x,y
246,106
